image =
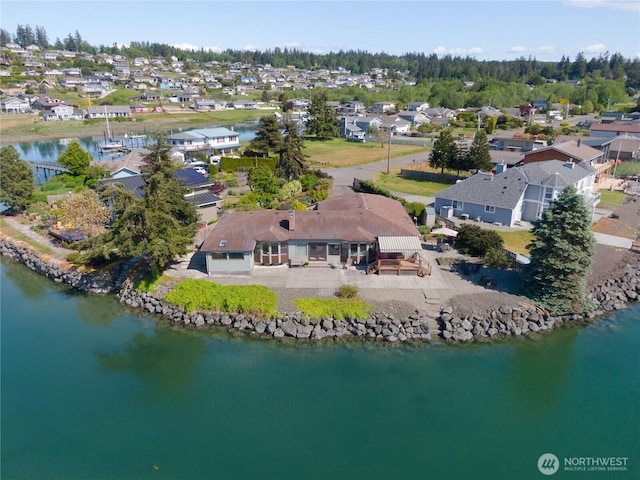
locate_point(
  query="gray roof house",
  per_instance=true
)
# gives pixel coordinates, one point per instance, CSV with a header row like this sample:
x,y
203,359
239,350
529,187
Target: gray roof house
x,y
516,194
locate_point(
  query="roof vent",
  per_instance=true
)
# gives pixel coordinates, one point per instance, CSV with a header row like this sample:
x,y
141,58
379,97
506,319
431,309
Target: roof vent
x,y
570,164
223,243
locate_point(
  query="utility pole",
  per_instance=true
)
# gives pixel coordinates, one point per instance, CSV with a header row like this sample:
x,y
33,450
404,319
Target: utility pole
x,y
389,153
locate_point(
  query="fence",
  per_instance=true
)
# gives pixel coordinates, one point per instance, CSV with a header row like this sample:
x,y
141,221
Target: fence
x,y
429,176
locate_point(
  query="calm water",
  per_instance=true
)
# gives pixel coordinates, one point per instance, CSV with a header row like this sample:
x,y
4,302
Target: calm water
x,y
50,150
90,391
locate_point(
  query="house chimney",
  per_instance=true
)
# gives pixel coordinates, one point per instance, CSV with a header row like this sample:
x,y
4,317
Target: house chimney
x,y
570,164
292,220
579,141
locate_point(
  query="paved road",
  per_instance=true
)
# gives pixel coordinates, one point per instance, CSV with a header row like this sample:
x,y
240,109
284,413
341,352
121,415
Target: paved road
x,y
343,177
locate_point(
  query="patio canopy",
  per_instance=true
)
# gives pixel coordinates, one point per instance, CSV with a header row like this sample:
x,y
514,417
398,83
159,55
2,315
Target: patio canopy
x,y
399,244
447,232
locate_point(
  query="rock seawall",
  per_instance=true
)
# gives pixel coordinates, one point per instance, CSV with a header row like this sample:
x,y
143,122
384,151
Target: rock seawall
x,y
380,326
614,294
103,281
506,321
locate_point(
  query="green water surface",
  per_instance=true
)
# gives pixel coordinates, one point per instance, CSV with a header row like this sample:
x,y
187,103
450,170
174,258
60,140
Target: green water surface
x,y
91,391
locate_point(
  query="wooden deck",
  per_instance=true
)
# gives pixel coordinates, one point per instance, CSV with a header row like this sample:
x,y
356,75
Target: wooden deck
x,y
412,266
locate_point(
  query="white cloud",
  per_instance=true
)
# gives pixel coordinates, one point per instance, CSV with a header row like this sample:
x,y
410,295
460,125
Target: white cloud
x,y
633,6
250,48
458,52
595,48
542,50
290,45
190,46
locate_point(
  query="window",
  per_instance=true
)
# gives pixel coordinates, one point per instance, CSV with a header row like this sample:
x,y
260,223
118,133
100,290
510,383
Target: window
x,y
334,249
489,209
236,256
457,205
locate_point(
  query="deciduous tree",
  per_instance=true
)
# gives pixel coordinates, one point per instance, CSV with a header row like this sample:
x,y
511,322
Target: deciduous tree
x,y
16,179
561,255
75,158
86,212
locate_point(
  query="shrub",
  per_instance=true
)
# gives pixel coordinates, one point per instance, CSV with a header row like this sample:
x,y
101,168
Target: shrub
x,y
195,295
74,257
497,258
415,209
476,241
347,291
336,308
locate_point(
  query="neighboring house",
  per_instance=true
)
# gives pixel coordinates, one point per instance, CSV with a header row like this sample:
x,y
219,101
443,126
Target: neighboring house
x,y
14,105
150,97
573,151
396,125
622,147
110,111
382,107
517,144
345,229
417,106
205,104
244,105
58,112
199,195
614,129
539,104
415,117
353,106
206,203
518,193
219,140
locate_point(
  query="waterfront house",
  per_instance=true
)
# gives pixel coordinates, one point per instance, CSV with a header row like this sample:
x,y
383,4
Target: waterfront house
x,y
219,141
343,230
516,194
15,105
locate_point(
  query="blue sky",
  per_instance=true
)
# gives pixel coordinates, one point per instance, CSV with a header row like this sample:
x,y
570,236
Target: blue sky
x,y
486,30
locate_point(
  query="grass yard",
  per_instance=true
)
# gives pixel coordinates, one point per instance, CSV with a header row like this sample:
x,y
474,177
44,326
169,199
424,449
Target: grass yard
x,y
17,235
611,197
340,153
628,168
395,182
517,241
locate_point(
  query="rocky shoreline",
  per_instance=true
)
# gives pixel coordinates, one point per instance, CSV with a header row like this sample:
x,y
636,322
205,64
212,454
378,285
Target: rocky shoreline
x,y
506,321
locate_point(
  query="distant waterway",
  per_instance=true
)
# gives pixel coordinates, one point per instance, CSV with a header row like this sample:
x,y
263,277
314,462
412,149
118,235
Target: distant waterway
x,y
91,390
50,150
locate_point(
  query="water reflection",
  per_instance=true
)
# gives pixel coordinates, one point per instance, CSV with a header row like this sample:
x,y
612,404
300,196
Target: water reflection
x,y
165,362
26,280
541,368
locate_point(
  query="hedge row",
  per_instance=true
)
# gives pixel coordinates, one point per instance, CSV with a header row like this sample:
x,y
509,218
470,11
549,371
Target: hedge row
x,y
229,164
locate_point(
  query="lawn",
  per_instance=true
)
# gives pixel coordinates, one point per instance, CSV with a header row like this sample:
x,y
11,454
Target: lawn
x,y
396,183
611,197
340,153
517,241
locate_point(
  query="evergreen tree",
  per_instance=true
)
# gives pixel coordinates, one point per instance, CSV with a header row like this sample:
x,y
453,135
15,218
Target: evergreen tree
x,y
323,122
5,37
75,158
561,255
161,225
16,179
445,151
42,40
291,164
268,136
479,156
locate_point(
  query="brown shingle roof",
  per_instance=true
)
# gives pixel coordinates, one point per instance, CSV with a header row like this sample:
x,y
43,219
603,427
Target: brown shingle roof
x,y
353,218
